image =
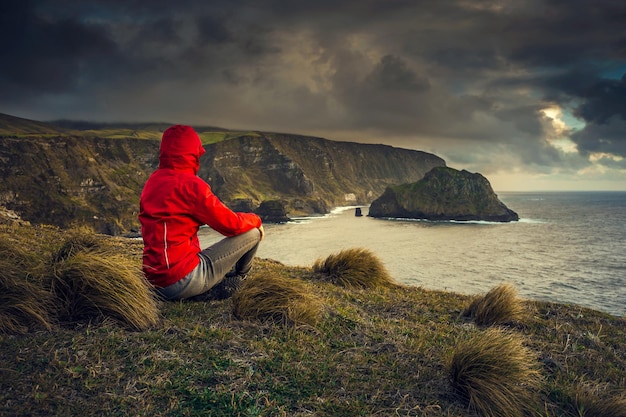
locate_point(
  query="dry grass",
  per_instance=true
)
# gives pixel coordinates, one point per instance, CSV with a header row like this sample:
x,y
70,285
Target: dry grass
x,y
588,402
371,353
84,279
77,242
495,374
17,259
91,285
24,304
354,268
499,306
274,299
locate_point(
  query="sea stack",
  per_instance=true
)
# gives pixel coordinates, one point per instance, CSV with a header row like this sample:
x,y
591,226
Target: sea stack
x,y
443,194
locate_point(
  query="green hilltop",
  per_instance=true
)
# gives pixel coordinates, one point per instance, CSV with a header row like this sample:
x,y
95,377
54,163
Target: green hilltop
x,y
19,127
16,126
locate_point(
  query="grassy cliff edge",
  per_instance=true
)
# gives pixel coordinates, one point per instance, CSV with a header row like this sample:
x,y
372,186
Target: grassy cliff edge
x,y
379,349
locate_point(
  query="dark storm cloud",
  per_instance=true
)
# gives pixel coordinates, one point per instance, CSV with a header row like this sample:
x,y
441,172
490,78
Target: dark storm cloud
x,y
600,103
41,56
392,73
604,110
467,78
212,30
607,137
555,33
603,100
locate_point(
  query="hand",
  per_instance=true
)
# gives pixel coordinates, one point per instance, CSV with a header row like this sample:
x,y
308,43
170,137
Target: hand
x,y
262,231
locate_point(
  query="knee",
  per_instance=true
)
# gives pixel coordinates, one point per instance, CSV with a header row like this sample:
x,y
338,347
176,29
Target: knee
x,y
253,234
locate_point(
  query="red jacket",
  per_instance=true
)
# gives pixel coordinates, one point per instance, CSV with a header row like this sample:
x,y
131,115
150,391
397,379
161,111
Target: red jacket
x,y
174,203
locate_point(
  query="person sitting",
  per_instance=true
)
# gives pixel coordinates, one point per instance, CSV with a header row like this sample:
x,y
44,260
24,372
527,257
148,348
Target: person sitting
x,y
173,205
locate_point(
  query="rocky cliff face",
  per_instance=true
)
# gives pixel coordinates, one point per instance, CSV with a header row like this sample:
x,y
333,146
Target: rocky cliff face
x,y
74,181
309,174
70,180
443,194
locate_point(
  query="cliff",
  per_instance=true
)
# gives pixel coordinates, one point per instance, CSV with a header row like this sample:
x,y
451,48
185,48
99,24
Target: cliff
x,y
310,175
75,181
443,194
64,176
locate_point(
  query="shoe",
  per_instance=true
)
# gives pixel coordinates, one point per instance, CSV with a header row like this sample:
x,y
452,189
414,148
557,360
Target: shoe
x,y
228,286
223,289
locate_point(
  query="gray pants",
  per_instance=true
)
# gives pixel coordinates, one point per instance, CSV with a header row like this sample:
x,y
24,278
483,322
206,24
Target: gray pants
x,y
236,252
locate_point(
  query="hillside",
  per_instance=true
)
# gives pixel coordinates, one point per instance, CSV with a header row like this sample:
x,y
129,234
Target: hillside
x,y
16,126
68,177
374,351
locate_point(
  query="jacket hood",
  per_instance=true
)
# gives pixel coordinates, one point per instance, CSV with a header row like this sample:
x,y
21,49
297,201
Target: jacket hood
x,y
181,148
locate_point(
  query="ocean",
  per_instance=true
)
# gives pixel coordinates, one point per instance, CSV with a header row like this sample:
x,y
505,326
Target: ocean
x,y
568,247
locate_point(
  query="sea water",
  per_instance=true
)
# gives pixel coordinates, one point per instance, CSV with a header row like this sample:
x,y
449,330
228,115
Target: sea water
x,y
568,247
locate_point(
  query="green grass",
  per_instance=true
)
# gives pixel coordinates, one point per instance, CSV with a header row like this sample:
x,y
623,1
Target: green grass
x,y
207,137
377,351
119,133
214,137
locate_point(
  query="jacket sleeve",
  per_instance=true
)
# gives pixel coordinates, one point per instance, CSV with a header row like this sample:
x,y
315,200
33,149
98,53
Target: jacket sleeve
x,y
221,218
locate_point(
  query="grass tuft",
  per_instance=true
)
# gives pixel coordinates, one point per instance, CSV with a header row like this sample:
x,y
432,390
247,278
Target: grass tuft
x,y
75,243
23,302
499,306
354,268
23,305
94,285
16,260
274,299
495,374
588,403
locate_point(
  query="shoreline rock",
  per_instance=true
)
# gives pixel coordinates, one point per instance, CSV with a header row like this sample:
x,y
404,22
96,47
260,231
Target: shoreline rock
x,y
443,194
272,211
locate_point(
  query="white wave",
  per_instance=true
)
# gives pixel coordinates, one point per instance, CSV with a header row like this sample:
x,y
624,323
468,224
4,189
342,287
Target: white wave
x,y
333,212
482,222
537,221
341,209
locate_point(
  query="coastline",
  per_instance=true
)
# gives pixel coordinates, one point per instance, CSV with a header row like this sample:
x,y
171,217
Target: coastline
x,y
556,252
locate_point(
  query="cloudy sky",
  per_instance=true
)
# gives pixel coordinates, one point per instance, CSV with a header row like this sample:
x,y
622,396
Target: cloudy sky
x,y
530,93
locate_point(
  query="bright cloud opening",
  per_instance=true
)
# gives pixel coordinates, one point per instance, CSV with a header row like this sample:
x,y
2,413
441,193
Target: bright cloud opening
x,y
559,130
598,156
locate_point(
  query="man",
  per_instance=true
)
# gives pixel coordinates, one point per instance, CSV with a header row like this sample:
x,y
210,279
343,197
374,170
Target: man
x,y
174,203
